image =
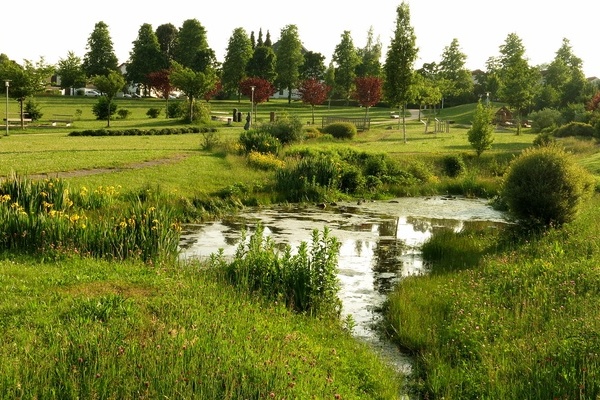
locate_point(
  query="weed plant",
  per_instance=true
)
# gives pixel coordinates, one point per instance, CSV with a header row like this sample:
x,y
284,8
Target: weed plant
x,y
305,281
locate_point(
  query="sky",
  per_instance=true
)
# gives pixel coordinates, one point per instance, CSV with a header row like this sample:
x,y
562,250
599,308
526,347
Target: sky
x,y
51,29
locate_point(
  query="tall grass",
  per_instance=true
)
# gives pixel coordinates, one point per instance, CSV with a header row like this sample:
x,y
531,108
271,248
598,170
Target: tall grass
x,y
92,329
522,323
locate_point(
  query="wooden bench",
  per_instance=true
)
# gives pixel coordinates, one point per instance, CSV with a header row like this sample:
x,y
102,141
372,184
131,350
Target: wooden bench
x,y
62,119
17,121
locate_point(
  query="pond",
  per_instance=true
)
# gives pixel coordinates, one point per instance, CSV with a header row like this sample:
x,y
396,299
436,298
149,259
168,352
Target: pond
x,y
380,244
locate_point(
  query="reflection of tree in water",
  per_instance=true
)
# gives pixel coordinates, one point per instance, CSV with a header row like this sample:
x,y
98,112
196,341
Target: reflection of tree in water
x,y
387,256
425,225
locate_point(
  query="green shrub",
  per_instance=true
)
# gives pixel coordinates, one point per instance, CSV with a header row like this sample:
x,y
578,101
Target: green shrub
x,y
544,139
153,112
176,109
123,113
311,178
574,129
286,129
259,141
341,130
544,187
351,180
545,120
100,108
453,165
33,110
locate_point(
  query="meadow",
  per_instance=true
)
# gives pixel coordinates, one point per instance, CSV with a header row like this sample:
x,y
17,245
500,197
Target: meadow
x,y
95,318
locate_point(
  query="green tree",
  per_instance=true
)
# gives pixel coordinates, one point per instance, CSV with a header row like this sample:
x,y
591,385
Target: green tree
x,y
289,58
518,81
194,84
313,66
262,64
167,40
346,60
109,85
145,57
26,80
564,76
370,57
399,63
100,58
481,133
192,50
239,52
452,71
71,72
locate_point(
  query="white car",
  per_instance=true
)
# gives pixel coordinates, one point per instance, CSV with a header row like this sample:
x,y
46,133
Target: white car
x,y
91,93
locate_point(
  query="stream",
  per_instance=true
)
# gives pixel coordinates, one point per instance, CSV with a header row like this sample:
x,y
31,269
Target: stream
x,y
380,244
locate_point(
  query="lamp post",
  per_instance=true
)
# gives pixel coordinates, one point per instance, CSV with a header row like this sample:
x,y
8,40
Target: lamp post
x,y
7,84
252,105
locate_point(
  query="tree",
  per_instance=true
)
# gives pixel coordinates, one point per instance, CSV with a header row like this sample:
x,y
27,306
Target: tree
x,y
71,72
288,59
481,134
160,80
368,91
262,64
192,50
100,58
167,40
565,77
26,80
370,56
451,70
194,84
518,81
313,92
239,52
346,60
109,85
313,66
401,55
145,57
263,89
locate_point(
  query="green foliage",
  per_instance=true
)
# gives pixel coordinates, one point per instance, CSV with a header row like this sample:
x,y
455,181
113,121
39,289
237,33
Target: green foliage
x,y
544,139
260,141
575,129
341,130
124,113
481,133
176,109
153,112
40,217
33,110
544,187
306,281
309,179
287,129
100,109
453,165
210,140
545,120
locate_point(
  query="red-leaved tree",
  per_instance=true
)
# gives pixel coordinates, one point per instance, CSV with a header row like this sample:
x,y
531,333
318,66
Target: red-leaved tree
x,y
263,89
368,91
212,93
161,82
313,92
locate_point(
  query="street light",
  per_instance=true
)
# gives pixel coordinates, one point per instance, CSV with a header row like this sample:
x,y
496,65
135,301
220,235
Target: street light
x,y
252,105
7,84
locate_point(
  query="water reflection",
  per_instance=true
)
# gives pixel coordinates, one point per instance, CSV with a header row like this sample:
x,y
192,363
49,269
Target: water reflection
x,y
380,244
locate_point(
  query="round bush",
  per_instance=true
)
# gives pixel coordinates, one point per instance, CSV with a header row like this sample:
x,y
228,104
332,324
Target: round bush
x,y
544,187
453,165
574,129
341,130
